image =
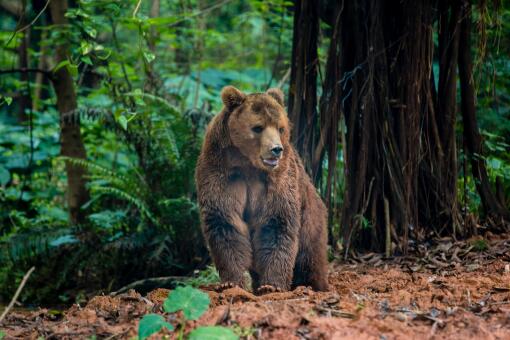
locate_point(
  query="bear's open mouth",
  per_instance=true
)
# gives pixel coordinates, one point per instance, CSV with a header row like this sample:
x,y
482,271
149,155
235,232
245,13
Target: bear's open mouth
x,y
272,162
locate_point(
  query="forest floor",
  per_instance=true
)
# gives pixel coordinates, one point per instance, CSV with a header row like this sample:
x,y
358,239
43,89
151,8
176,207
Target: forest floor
x,y
454,290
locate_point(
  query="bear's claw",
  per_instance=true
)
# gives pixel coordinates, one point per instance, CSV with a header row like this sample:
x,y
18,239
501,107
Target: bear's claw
x,y
266,289
224,286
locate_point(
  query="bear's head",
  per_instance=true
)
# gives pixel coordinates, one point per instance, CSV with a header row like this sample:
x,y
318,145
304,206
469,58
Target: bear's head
x,y
258,126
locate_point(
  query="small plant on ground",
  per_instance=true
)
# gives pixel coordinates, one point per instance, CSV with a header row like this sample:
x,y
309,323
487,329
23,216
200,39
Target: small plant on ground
x,y
193,303
204,277
480,244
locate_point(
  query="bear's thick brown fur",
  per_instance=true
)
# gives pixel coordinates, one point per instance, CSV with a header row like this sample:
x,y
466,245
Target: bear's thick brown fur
x,y
260,212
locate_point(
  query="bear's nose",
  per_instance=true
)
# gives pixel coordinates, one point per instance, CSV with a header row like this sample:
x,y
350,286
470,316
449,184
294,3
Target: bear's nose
x,y
277,150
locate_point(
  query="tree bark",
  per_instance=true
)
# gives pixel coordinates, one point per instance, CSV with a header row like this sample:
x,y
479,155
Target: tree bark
x,y
492,206
70,135
330,118
384,89
438,168
302,104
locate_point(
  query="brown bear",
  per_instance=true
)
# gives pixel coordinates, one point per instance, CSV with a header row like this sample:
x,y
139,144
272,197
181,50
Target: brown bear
x,y
259,209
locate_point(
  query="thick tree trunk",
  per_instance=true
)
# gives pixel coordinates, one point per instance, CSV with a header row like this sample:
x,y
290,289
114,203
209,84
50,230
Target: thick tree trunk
x,y
303,81
385,91
70,135
491,204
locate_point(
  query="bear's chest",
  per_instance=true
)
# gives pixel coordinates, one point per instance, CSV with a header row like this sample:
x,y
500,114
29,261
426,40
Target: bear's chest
x,y
251,192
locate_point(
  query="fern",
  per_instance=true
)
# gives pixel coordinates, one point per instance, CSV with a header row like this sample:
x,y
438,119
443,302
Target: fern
x,y
171,108
98,171
130,188
30,243
138,203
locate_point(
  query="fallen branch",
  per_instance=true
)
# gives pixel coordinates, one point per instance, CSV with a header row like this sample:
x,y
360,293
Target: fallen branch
x,y
151,283
16,295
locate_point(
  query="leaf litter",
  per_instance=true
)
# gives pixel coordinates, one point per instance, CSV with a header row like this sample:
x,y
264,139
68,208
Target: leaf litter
x,y
448,290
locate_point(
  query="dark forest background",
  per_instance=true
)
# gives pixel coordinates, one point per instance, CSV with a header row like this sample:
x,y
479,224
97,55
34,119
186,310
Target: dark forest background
x,y
400,112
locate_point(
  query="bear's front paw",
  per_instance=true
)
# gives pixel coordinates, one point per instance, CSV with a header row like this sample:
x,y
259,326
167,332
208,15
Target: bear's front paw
x,y
224,286
266,289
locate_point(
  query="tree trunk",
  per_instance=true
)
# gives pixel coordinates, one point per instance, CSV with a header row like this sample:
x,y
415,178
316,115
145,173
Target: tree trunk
x,y
25,100
302,104
438,168
382,83
70,135
492,206
153,36
330,118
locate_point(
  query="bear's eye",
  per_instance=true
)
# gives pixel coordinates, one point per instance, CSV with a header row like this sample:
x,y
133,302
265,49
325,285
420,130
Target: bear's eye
x,y
281,130
257,129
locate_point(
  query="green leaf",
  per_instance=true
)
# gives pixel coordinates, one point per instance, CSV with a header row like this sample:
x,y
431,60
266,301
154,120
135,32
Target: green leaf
x,y
90,31
5,176
149,56
212,333
122,120
73,69
85,47
86,60
150,324
61,64
8,100
193,302
2,335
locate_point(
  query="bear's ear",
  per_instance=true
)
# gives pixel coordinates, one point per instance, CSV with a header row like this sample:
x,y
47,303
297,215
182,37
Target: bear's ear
x,y
232,97
277,94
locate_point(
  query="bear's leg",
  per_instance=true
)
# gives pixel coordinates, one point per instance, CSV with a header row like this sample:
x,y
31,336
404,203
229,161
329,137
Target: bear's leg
x,y
274,255
312,260
311,266
230,248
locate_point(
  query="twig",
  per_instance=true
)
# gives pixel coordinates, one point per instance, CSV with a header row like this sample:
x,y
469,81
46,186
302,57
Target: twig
x,y
137,8
16,295
113,336
335,312
201,12
152,282
30,24
284,79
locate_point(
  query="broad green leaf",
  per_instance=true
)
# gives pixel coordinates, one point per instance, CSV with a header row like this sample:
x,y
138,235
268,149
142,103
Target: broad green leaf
x,y
5,176
8,100
61,64
212,333
86,60
105,54
193,302
122,120
150,324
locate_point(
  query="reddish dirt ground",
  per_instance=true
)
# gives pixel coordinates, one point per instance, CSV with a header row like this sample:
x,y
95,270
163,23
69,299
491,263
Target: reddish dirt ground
x,y
449,292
